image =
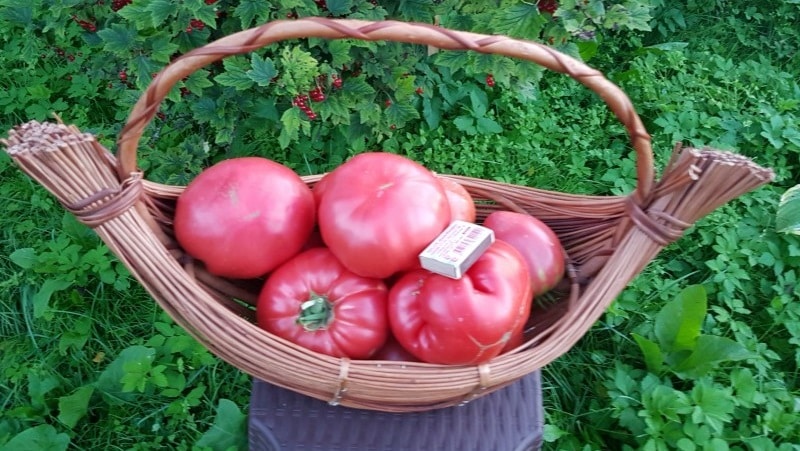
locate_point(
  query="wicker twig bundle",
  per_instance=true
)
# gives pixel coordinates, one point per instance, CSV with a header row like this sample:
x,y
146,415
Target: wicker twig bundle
x,y
609,239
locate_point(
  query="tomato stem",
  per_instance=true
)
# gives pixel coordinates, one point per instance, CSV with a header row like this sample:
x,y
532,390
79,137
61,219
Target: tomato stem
x,y
316,313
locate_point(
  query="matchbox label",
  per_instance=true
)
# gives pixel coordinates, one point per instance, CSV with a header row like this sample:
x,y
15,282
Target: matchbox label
x,y
456,249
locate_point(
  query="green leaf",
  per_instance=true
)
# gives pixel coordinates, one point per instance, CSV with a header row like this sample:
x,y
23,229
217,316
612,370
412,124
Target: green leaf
x,y
399,113
416,10
714,405
76,336
466,124
161,49
110,382
235,74
263,70
41,299
73,407
118,39
486,125
339,7
39,385
138,15
787,219
653,357
678,324
340,52
38,438
522,20
432,111
709,352
229,431
198,80
290,121
249,10
160,11
24,257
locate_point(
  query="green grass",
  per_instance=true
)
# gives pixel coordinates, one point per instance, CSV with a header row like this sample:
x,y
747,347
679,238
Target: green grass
x,y
76,330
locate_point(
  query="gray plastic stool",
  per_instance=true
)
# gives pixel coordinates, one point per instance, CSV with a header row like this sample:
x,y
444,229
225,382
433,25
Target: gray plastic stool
x,y
509,419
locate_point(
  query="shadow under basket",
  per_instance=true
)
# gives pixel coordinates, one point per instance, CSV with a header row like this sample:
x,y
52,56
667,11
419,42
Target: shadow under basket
x,y
609,239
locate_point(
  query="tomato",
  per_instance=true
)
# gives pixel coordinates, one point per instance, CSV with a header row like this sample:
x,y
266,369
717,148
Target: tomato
x,y
461,204
467,320
379,210
535,241
243,217
394,351
315,302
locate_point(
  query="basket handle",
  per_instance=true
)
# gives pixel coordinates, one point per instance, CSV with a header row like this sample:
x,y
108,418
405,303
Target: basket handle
x,y
416,33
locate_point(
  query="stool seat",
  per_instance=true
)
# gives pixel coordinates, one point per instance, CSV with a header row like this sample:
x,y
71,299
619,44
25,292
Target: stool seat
x,y
510,419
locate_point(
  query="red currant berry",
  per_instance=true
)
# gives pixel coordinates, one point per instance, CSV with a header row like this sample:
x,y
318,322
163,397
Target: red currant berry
x,y
419,90
123,75
490,80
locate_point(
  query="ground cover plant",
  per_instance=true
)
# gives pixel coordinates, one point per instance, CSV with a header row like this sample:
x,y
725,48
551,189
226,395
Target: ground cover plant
x,y
701,351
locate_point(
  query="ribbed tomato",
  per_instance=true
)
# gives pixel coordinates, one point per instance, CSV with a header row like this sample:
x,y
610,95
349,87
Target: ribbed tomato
x,y
315,302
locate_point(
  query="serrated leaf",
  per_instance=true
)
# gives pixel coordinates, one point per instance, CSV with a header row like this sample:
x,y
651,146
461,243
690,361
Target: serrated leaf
x,y
454,59
400,113
161,49
249,10
73,407
521,21
487,125
787,219
198,80
118,38
339,7
357,87
235,78
679,322
160,11
38,438
290,127
24,257
229,431
262,71
340,52
416,10
466,124
137,14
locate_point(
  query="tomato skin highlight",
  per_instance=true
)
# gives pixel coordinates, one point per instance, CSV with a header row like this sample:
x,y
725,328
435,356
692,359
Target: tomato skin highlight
x,y
464,321
378,211
356,324
536,242
243,217
462,207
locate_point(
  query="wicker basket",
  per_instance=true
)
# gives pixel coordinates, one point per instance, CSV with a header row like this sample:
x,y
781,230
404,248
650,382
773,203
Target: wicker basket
x,y
609,239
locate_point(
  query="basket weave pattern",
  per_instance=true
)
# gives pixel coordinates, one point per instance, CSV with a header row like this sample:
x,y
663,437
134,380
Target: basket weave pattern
x,y
609,239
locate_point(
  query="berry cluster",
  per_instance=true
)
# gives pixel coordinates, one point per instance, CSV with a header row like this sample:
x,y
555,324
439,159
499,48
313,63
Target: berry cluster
x,y
301,101
123,75
210,2
547,6
195,24
490,80
85,24
117,5
316,94
336,82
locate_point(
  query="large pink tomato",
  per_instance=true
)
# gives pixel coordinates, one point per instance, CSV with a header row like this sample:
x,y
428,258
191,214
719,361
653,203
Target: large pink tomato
x,y
315,302
243,217
378,211
463,321
535,241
